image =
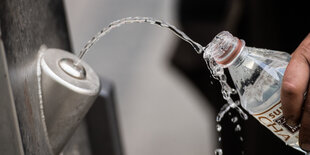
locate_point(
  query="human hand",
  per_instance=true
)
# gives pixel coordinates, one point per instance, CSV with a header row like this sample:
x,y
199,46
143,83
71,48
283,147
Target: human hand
x,y
296,106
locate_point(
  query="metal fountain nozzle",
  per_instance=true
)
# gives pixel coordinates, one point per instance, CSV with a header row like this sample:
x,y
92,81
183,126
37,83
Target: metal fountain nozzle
x,y
72,68
68,91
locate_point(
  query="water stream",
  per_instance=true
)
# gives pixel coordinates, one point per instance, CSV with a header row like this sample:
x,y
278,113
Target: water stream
x,y
149,20
216,70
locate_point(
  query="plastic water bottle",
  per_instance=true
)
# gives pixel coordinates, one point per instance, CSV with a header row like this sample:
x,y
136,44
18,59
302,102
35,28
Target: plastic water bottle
x,y
257,75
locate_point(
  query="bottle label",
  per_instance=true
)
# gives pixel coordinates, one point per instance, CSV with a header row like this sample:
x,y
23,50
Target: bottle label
x,y
274,120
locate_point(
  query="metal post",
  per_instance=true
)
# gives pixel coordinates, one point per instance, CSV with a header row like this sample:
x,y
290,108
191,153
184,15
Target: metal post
x,y
25,26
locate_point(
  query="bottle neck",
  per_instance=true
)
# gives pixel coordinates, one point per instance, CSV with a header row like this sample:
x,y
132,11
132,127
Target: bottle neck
x,y
233,55
224,49
239,59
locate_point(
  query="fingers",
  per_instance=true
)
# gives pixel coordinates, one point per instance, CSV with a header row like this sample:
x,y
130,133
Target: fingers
x,y
304,133
295,83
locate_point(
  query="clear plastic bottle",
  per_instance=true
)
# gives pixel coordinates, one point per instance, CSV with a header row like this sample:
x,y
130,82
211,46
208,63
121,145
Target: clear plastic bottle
x,y
257,75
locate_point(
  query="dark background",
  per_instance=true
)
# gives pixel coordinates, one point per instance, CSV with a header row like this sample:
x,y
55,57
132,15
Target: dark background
x,y
277,25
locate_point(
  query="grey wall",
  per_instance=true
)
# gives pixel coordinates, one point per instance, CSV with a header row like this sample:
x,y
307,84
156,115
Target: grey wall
x,y
160,113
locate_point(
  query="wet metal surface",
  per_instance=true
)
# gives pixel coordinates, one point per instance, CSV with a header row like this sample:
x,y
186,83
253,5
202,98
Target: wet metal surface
x,y
10,140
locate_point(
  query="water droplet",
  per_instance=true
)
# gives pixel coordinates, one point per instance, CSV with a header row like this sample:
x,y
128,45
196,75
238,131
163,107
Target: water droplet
x,y
234,119
218,118
223,77
225,95
229,113
218,128
218,69
244,116
241,139
233,91
218,152
222,112
220,139
237,102
211,82
238,128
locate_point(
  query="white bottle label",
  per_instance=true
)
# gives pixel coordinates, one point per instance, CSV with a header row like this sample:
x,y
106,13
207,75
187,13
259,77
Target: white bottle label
x,y
274,120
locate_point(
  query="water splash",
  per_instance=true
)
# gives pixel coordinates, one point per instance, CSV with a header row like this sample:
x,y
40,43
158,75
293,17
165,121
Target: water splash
x,y
216,70
218,73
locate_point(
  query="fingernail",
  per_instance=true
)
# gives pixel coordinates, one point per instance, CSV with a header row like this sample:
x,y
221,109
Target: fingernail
x,y
305,146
